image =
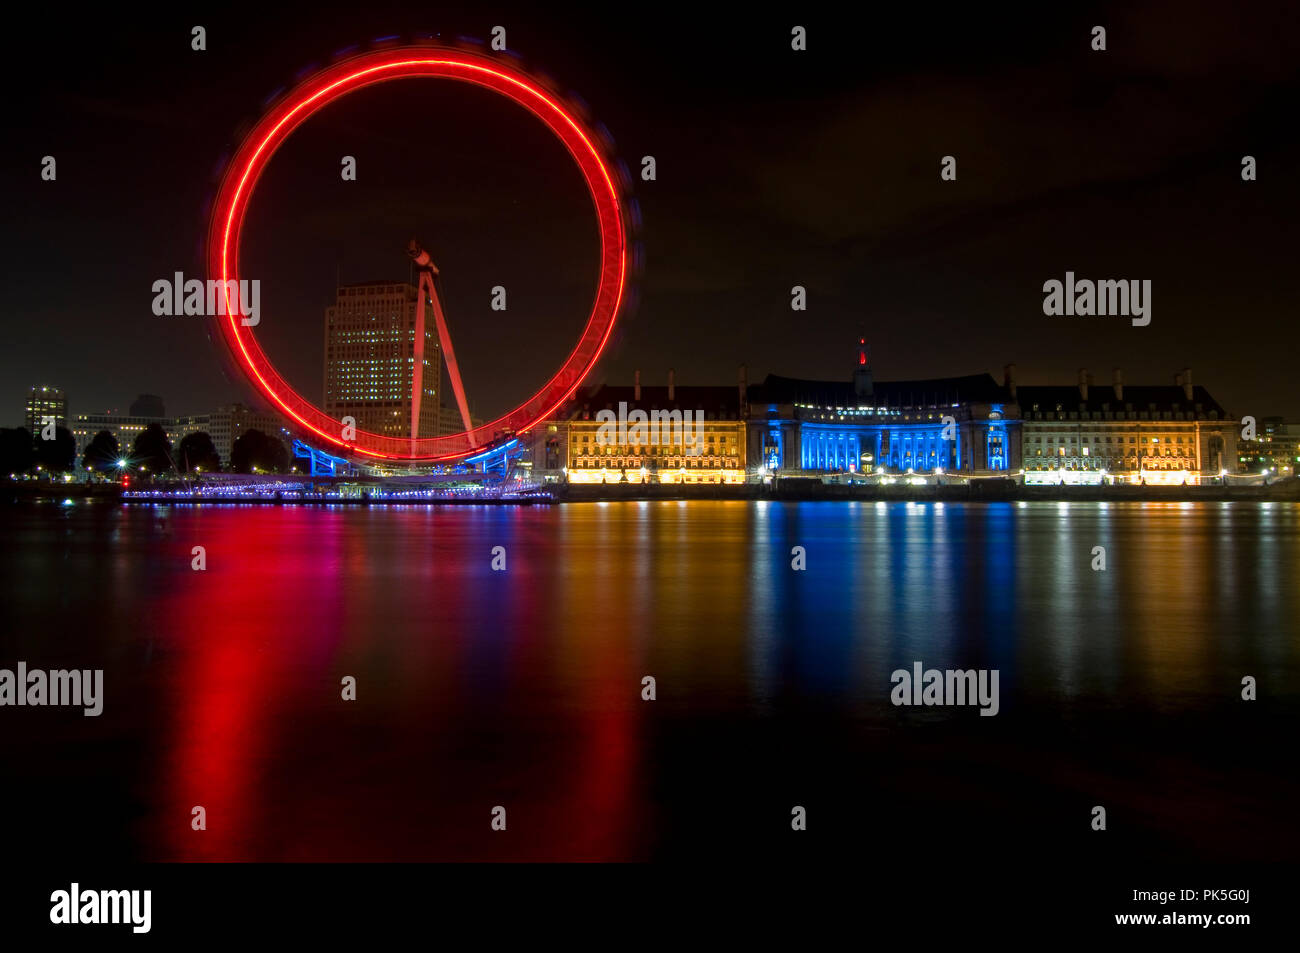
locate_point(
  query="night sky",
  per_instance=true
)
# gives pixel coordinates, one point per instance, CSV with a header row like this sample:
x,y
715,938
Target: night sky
x,y
775,168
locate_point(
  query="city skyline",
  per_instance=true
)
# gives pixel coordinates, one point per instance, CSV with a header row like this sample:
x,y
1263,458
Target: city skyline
x,y
1086,432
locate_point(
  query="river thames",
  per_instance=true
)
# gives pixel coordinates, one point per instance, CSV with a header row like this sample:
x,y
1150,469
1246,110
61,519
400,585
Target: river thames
x,y
521,686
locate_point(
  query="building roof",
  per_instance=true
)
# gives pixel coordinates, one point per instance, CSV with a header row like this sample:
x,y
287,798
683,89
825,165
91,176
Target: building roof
x,y
723,402
719,403
934,392
1137,398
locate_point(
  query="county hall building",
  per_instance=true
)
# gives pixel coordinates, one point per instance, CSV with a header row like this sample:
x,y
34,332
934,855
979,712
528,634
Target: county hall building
x,y
860,425
861,428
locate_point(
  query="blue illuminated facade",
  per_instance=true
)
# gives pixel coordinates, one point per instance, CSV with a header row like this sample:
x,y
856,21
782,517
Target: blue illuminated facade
x,y
958,424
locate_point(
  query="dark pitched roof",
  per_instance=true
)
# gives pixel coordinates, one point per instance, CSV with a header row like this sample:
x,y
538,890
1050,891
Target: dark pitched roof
x,y
934,392
721,403
1165,397
387,281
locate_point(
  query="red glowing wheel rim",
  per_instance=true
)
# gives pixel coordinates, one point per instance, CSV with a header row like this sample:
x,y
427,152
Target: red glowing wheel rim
x,y
337,81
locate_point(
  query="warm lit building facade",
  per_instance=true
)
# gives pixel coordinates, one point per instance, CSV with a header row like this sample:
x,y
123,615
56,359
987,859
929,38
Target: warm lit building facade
x,y
1275,449
685,435
227,424
370,360
45,404
814,427
1139,434
124,428
224,425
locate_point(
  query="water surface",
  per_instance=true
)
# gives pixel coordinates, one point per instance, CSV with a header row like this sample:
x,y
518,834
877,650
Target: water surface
x,y
522,688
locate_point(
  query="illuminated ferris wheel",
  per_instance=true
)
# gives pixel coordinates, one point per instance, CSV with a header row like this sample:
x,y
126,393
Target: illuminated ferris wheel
x,y
335,82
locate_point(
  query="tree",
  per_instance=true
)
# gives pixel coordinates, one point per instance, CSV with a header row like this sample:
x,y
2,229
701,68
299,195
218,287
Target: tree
x,y
58,455
197,452
152,450
102,453
17,455
257,450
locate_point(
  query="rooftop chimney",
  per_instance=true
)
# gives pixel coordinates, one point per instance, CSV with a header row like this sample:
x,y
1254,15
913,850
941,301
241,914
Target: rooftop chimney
x,y
1083,383
672,384
636,386
1119,384
1187,382
743,382
1009,379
